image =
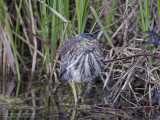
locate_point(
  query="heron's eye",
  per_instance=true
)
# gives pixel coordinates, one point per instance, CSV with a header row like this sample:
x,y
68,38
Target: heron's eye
x,y
87,39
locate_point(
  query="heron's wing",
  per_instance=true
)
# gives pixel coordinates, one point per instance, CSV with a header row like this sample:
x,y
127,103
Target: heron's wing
x,y
63,72
69,44
67,54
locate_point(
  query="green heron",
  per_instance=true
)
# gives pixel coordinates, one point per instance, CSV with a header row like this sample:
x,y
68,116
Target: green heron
x,y
81,60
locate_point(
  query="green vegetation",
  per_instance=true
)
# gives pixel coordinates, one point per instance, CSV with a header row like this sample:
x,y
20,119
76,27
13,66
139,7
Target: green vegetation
x,y
32,33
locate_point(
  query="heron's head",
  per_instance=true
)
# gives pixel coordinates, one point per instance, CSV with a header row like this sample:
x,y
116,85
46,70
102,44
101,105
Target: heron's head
x,y
87,37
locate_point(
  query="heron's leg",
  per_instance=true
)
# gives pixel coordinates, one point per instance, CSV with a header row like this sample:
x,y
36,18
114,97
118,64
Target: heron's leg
x,y
73,87
79,88
73,115
81,91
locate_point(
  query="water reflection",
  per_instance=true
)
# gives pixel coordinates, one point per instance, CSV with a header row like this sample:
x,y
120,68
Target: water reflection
x,y
43,99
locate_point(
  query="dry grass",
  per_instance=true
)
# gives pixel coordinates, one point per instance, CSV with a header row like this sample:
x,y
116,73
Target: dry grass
x,y
130,82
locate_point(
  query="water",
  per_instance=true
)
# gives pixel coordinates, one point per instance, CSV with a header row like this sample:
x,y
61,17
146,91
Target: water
x,y
43,99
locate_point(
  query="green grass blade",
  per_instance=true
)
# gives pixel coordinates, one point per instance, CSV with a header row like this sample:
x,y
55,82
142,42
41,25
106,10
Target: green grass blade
x,y
13,45
158,7
145,22
81,9
109,17
66,13
85,21
135,14
11,37
17,24
60,3
142,17
44,26
54,29
102,27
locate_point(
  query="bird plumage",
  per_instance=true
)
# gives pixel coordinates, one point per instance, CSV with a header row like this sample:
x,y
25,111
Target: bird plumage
x,y
81,59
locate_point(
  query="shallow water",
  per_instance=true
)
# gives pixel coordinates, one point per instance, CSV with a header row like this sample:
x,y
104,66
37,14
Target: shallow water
x,y
43,99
